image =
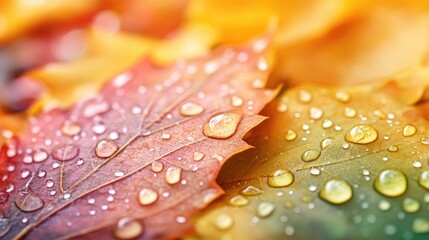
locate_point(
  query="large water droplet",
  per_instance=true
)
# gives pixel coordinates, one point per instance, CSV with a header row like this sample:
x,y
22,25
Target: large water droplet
x,y
409,130
71,128
28,202
281,178
238,201
265,209
336,191
40,155
127,228
191,109
173,175
65,152
105,148
310,155
424,179
391,183
223,125
420,225
224,221
147,196
251,191
410,205
362,134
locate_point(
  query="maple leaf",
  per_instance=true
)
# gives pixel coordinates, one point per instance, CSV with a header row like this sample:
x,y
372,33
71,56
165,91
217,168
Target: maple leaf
x,y
139,157
330,163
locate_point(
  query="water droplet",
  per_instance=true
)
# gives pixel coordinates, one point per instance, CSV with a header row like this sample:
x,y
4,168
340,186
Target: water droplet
x,y
282,107
105,148
409,130
198,156
191,109
99,128
391,183
65,152
326,142
40,155
251,191
3,197
223,125
127,228
119,174
336,191
289,231
342,96
147,196
384,205
238,201
420,225
5,226
224,221
71,128
290,135
173,175
392,148
424,179
327,123
281,178
25,173
49,183
265,209
316,113
314,171
236,101
181,219
67,196
310,155
165,136
28,202
95,108
410,205
362,134
350,112
304,96
258,83
157,167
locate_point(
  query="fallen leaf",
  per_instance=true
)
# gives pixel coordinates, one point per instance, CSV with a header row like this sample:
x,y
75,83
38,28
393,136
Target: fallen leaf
x,y
140,157
330,163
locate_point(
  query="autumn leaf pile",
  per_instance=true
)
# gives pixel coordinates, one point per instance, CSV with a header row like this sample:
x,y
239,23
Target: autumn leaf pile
x,y
213,119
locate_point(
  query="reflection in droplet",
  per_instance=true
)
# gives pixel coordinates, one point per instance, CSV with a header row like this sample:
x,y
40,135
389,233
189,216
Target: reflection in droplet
x,y
223,125
391,183
65,152
336,191
362,134
105,148
127,228
147,196
280,178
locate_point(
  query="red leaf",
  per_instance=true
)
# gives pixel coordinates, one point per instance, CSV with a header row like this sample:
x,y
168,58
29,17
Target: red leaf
x,y
133,159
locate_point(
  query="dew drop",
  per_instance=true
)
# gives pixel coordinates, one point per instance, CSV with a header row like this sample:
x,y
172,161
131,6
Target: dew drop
x,y
326,142
342,96
223,125
290,135
71,128
280,178
258,84
409,130
316,113
392,148
173,175
424,140
236,101
3,198
191,109
314,171
28,202
410,205
384,205
5,226
147,196
391,183
424,179
181,219
49,183
99,128
198,156
251,191
224,221
327,123
310,155
25,173
265,209
362,134
96,108
105,148
166,136
304,96
65,152
127,228
282,107
40,155
157,167
336,191
238,201
350,112
420,225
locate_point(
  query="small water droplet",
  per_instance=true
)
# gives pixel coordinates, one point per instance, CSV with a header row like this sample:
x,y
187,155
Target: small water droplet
x,y
304,96
362,134
391,183
315,171
181,219
238,201
384,205
310,155
198,156
424,179
350,112
258,83
326,142
336,191
119,174
166,136
49,183
327,123
173,175
65,152
105,148
424,140
99,128
290,135
28,202
40,155
67,196
95,108
147,196
392,148
25,173
71,128
222,125
191,109
236,101
409,130
420,225
410,205
316,113
342,96
282,107
265,209
157,167
224,221
251,191
280,178
127,228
